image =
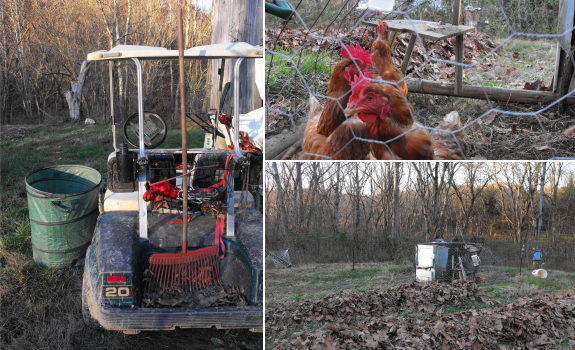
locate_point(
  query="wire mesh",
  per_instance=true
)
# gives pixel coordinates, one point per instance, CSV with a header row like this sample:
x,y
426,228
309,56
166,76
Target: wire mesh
x,y
299,70
279,258
447,261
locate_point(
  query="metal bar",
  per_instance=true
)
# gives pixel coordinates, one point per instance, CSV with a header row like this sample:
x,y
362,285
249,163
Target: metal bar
x,y
230,217
110,65
140,108
221,83
142,205
237,107
408,52
184,131
142,165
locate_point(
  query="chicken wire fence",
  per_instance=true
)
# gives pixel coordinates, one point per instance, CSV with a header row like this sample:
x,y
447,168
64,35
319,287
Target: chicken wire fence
x,y
447,261
300,53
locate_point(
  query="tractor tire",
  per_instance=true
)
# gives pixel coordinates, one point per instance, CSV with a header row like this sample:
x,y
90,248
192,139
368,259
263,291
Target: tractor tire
x,y
87,292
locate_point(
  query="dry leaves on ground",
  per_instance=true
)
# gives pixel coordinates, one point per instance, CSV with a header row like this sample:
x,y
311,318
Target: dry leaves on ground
x,y
475,45
375,319
211,296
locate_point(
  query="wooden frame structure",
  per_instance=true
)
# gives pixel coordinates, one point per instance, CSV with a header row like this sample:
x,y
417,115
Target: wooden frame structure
x,y
436,31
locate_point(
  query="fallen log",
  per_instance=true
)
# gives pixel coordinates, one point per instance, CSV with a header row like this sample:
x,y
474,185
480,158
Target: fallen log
x,y
277,145
482,92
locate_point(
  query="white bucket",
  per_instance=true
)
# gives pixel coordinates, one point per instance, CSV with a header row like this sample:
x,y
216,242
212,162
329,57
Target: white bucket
x,y
540,273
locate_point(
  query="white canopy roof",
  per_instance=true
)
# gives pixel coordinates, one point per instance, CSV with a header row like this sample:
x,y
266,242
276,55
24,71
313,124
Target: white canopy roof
x,y
226,50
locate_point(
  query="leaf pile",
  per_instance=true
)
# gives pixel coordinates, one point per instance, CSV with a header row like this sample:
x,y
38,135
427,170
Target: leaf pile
x,y
290,39
541,323
13,134
347,305
475,45
211,296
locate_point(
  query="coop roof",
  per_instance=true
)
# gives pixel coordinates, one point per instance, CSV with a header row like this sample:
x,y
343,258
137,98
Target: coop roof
x,y
225,50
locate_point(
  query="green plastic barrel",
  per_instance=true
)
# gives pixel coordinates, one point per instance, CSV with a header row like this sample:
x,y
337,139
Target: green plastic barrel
x,y
63,209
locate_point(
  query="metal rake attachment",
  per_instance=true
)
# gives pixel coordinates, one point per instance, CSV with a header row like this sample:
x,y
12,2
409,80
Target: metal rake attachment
x,y
183,272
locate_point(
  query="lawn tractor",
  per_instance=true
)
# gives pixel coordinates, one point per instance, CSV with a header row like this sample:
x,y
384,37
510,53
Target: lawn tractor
x,y
179,238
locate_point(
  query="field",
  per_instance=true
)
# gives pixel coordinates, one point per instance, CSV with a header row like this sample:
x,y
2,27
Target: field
x,y
501,136
331,306
41,309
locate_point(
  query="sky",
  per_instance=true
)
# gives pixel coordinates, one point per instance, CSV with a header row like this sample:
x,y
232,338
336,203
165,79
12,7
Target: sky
x,y
205,5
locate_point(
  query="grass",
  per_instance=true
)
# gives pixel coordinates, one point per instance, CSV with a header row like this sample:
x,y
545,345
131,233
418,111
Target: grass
x,y
503,285
41,309
401,269
559,283
468,306
311,66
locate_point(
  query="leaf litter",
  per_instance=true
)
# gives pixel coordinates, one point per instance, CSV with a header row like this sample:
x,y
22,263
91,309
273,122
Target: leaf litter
x,y
210,296
376,319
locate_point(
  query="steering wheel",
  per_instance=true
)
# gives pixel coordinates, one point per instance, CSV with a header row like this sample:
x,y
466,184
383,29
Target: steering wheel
x,y
155,130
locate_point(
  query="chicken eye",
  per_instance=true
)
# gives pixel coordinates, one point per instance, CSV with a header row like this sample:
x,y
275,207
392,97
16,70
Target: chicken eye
x,y
369,98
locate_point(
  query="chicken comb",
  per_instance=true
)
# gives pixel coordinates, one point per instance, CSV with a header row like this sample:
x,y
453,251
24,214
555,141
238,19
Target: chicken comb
x,y
383,27
359,83
359,53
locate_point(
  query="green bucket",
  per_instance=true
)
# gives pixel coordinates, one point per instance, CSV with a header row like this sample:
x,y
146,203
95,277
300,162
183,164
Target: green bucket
x,y
63,209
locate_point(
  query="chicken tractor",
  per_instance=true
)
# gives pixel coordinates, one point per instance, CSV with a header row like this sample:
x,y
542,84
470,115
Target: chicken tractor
x,y
149,269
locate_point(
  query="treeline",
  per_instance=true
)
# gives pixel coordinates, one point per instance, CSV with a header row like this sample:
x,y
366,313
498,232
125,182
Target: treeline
x,y
368,210
43,44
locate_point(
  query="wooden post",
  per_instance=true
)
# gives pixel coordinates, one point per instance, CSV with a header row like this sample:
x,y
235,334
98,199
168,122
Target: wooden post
x,y
565,73
408,52
458,48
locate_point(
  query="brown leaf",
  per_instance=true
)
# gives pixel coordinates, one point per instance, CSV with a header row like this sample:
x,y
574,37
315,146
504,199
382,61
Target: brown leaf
x,y
472,324
511,70
537,85
516,55
292,126
438,326
489,118
570,132
370,343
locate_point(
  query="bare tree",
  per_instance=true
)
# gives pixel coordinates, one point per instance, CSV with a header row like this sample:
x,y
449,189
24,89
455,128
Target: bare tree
x,y
555,176
433,182
395,223
475,179
281,204
514,199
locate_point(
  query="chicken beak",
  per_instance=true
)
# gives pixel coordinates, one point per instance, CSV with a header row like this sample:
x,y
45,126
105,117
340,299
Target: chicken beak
x,y
350,110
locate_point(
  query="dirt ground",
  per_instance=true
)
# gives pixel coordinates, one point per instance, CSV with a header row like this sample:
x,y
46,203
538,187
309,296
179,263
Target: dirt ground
x,y
330,306
42,309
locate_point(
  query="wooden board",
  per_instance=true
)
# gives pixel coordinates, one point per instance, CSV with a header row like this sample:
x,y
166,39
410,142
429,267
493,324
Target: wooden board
x,y
426,29
478,92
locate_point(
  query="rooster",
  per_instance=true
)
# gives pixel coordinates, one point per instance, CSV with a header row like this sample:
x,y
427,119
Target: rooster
x,y
327,132
382,61
388,118
340,86
340,144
